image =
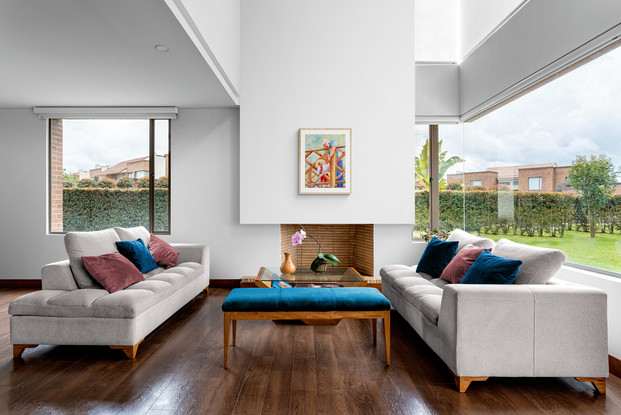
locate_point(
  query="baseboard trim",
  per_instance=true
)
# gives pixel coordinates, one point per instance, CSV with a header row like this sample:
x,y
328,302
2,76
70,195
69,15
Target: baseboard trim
x,y
19,283
225,283
614,364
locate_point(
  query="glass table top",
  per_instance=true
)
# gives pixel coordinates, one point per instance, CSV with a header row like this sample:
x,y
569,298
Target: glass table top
x,y
345,276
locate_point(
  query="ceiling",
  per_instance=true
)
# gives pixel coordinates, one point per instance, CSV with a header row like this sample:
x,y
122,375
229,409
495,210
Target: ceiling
x,y
100,53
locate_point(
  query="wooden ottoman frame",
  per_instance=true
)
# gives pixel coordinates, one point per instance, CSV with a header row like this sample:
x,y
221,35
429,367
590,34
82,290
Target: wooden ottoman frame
x,y
233,316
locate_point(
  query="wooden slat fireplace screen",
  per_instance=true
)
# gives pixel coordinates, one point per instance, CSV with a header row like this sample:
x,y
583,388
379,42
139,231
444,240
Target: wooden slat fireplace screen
x,y
352,244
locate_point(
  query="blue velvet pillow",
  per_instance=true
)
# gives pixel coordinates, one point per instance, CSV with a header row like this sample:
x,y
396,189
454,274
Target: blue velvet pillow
x,y
492,269
137,252
436,257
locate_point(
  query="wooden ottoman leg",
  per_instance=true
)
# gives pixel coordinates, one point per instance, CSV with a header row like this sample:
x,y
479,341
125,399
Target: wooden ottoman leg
x,y
374,323
18,349
234,332
227,328
387,336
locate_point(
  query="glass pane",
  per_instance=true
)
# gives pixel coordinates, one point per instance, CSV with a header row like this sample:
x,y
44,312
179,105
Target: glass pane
x,y
162,167
451,167
421,193
536,158
103,165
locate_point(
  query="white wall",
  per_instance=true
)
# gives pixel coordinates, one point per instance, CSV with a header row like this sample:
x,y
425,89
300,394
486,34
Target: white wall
x,y
437,25
612,286
437,92
539,34
478,18
318,64
24,246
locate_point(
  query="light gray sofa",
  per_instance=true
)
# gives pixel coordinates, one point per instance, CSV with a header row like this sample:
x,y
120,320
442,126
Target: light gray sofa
x,y
553,329
72,309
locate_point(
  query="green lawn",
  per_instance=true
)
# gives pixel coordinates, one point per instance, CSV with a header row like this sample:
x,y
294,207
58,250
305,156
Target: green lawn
x,y
603,251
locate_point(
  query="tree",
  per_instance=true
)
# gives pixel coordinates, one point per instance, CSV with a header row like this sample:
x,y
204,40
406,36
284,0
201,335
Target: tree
x,y
70,179
422,165
594,178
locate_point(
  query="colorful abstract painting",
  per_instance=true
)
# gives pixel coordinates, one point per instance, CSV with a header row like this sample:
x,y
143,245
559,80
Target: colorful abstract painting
x,y
325,161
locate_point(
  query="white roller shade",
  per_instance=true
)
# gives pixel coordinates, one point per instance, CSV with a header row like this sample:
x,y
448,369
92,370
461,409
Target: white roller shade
x,y
167,113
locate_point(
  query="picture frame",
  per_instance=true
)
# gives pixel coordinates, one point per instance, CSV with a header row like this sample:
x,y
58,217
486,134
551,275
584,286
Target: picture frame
x,y
325,161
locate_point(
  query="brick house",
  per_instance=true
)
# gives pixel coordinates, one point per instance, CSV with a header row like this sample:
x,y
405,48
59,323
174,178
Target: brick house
x,y
134,169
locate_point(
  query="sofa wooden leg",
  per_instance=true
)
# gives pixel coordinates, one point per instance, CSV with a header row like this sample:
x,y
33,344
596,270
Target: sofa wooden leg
x,y
130,351
206,289
18,349
598,383
462,382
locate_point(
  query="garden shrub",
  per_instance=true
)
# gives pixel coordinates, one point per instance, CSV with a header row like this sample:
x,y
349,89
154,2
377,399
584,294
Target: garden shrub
x,y
89,209
143,183
105,182
162,182
125,183
86,183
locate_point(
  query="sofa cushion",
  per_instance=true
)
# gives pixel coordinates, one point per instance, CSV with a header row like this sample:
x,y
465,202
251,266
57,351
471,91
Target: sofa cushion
x,y
436,257
163,253
137,252
131,234
79,244
91,302
459,265
113,271
491,269
392,273
464,238
538,264
425,298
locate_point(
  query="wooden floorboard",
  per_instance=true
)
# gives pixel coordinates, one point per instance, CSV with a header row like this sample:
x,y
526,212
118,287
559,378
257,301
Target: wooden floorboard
x,y
276,368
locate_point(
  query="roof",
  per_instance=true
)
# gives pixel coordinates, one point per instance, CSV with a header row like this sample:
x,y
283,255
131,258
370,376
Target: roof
x,y
122,166
512,171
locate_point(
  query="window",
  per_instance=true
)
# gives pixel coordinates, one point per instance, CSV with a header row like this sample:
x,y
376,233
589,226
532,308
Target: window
x,y
475,182
534,183
521,142
109,172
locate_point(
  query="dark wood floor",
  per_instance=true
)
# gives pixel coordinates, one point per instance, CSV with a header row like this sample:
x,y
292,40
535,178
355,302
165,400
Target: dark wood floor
x,y
275,369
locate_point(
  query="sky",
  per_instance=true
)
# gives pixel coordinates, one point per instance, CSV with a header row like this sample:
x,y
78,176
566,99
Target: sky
x,y
577,114
90,142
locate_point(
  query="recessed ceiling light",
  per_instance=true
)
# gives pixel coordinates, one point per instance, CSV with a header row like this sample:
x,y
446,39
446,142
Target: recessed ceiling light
x,y
161,48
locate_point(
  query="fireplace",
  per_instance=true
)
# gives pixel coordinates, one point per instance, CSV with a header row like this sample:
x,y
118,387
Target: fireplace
x,y
352,245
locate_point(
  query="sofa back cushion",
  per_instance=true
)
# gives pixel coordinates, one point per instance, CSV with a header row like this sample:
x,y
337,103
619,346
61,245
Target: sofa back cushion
x,y
464,238
131,234
436,257
79,244
538,264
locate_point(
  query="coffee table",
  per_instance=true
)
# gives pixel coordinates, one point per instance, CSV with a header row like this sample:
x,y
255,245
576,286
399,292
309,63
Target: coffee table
x,y
344,276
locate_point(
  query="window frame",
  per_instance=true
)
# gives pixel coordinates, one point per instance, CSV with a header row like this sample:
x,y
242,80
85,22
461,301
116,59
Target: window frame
x,y
151,174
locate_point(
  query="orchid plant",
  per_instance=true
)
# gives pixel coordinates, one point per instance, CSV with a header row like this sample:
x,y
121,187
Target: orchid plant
x,y
322,257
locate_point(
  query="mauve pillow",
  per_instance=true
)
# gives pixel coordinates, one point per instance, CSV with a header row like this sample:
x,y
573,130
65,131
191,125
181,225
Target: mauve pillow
x,y
163,253
113,271
459,265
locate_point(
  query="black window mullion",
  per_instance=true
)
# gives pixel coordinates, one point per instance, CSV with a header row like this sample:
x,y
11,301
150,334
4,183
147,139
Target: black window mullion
x,y
152,175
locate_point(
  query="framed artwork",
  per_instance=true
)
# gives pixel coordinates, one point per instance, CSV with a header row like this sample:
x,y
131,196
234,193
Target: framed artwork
x,y
325,161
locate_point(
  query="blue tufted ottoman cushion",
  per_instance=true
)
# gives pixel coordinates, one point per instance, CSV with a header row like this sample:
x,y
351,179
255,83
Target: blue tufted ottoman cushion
x,y
306,299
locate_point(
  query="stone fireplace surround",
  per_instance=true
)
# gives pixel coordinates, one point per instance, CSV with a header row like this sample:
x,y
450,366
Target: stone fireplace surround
x,y
351,243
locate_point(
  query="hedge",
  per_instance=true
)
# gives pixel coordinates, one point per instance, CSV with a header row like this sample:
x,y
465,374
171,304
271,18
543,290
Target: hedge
x,y
88,209
520,213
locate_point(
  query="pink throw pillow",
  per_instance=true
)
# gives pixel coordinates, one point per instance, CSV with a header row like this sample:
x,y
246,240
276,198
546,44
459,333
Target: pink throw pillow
x,y
113,271
163,253
459,265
